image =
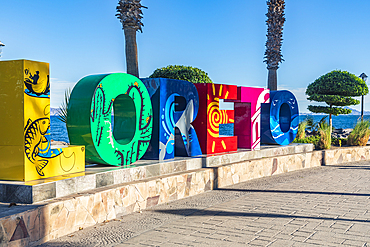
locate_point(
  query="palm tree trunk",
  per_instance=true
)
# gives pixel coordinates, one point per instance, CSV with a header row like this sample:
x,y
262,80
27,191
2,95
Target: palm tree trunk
x,y
131,52
272,80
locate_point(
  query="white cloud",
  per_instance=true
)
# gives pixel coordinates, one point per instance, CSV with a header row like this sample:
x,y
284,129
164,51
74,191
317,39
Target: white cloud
x,y
57,89
300,95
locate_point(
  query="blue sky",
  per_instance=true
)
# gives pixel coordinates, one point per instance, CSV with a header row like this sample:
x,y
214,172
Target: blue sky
x,y
224,38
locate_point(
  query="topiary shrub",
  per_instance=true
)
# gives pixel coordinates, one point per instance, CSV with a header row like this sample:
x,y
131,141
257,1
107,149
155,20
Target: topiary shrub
x,y
360,134
181,72
335,88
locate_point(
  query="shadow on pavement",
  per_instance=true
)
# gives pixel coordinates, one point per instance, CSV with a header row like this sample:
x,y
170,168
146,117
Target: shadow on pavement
x,y
218,213
351,167
296,192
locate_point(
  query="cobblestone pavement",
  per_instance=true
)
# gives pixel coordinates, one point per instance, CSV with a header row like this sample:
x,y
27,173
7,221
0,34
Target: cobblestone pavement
x,y
324,206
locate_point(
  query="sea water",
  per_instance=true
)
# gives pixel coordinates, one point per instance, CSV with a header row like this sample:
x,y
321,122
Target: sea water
x,y
339,122
59,129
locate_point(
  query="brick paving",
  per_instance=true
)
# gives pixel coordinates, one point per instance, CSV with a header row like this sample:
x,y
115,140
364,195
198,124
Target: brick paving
x,y
324,206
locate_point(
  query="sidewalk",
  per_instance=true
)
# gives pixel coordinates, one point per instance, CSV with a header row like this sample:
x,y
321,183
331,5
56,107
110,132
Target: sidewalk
x,y
323,206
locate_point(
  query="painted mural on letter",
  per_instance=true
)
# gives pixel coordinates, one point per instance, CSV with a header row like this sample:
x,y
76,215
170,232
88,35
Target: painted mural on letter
x,y
280,118
175,106
37,140
248,116
210,117
32,99
120,140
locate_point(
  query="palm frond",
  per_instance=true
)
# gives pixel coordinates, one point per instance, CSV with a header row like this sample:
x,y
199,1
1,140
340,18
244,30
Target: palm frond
x,y
130,14
63,109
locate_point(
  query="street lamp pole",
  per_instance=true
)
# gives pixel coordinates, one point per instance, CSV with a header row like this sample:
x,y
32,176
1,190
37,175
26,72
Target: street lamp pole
x,y
363,76
1,46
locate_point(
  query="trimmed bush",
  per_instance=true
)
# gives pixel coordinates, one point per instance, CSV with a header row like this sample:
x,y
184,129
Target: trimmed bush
x,y
310,139
335,141
181,72
335,88
360,134
315,140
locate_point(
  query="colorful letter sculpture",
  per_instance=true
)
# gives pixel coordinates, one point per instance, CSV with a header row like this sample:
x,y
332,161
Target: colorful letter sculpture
x,y
210,117
25,145
175,106
89,122
247,120
280,118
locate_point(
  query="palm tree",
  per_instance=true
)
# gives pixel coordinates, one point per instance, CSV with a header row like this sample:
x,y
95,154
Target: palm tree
x,y
275,21
130,14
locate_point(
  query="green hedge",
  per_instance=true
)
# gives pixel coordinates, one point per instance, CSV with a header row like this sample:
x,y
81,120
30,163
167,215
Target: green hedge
x,y
315,139
309,139
181,72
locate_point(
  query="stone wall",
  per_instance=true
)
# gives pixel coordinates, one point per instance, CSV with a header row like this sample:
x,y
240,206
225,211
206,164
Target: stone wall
x,y
344,155
252,169
62,216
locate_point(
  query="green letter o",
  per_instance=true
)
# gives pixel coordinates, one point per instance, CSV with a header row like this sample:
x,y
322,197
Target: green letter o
x,y
89,120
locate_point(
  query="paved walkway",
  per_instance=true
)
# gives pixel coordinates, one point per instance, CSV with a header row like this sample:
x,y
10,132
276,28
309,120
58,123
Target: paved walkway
x,y
325,206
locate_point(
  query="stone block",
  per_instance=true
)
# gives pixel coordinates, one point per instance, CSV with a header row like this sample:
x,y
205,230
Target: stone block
x,y
179,166
104,179
84,183
18,193
137,173
193,164
122,176
65,187
43,192
153,170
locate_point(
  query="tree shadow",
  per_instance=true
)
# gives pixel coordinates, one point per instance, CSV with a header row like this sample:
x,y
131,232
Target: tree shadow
x,y
351,167
296,192
191,212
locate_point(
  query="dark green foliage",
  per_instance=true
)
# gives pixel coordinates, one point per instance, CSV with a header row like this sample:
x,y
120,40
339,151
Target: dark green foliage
x,y
320,134
313,127
323,109
334,99
310,123
336,89
181,72
338,141
338,83
308,139
315,139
